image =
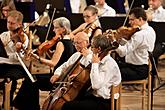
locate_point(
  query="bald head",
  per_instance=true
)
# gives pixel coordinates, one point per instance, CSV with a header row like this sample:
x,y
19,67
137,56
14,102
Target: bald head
x,y
81,36
81,40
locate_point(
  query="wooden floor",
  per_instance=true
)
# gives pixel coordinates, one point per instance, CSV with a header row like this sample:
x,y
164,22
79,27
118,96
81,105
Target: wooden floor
x,y
132,102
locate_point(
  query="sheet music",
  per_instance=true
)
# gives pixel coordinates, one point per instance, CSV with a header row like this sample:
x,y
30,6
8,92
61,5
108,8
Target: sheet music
x,y
6,61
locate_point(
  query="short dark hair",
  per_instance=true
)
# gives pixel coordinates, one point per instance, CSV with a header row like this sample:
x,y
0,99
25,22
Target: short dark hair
x,y
139,12
102,41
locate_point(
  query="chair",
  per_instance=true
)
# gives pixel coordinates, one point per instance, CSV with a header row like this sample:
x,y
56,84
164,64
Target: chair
x,y
115,89
6,99
143,82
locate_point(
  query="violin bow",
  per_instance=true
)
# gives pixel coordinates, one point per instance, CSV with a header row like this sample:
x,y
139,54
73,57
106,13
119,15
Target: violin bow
x,y
128,12
50,24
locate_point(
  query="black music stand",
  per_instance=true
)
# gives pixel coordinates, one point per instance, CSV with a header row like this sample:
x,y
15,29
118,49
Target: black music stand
x,y
154,74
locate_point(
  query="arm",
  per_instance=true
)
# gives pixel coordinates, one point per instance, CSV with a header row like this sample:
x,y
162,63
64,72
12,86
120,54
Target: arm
x,y
131,45
64,66
56,56
80,28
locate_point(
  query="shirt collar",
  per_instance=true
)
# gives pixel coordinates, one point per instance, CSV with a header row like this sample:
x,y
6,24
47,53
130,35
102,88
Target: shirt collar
x,y
159,9
144,26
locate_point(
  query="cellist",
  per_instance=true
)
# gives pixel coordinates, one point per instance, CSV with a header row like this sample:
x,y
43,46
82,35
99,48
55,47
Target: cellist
x,y
104,72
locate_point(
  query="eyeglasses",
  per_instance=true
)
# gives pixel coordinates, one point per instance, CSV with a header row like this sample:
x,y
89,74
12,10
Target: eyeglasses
x,y
86,16
77,43
56,27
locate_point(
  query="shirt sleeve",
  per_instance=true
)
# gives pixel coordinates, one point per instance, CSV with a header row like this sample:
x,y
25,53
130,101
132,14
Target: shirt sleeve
x,y
65,65
130,46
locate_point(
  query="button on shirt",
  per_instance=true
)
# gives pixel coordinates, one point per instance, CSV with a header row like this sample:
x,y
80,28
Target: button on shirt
x,y
136,49
159,15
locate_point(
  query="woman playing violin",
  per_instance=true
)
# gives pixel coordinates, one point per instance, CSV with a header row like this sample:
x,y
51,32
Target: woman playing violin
x,y
63,50
92,25
135,51
64,47
102,76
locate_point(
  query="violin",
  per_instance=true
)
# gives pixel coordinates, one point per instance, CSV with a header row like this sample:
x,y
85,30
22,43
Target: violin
x,y
19,35
122,32
90,28
45,46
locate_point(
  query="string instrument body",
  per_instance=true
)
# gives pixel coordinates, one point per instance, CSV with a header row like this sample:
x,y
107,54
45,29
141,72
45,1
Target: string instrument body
x,y
67,91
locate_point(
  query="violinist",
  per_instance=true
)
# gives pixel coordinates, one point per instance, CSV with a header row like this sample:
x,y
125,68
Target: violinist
x,y
135,51
91,25
102,76
64,48
10,66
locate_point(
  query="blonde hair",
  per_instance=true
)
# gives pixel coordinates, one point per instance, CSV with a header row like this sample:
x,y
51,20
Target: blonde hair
x,y
17,15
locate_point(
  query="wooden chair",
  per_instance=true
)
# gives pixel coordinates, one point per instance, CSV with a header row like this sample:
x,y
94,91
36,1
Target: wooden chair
x,y
6,99
8,84
143,89
117,105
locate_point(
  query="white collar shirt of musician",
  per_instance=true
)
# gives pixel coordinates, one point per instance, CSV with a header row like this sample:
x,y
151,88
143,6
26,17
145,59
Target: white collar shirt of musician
x,y
103,75
136,49
84,61
106,11
159,15
9,47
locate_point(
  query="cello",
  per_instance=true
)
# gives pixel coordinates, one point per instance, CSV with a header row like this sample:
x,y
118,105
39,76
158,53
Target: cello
x,y
68,88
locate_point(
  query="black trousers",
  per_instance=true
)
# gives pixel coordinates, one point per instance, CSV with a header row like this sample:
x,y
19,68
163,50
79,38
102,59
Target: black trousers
x,y
21,101
89,102
158,50
133,72
13,72
30,92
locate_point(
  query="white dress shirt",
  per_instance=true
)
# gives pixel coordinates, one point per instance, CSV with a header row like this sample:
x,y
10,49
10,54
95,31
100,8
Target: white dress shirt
x,y
136,49
159,15
10,47
77,6
106,10
102,75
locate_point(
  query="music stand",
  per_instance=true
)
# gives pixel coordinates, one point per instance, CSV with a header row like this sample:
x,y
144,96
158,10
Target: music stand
x,y
153,74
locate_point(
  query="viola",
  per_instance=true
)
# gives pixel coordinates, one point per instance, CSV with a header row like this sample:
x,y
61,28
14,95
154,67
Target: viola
x,y
45,46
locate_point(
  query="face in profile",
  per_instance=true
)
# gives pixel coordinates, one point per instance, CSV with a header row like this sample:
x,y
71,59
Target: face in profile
x,y
5,11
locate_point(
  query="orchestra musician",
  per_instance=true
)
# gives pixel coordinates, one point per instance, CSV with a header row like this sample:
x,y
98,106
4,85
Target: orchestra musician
x,y
91,25
104,8
10,67
156,12
6,6
64,48
102,76
135,51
